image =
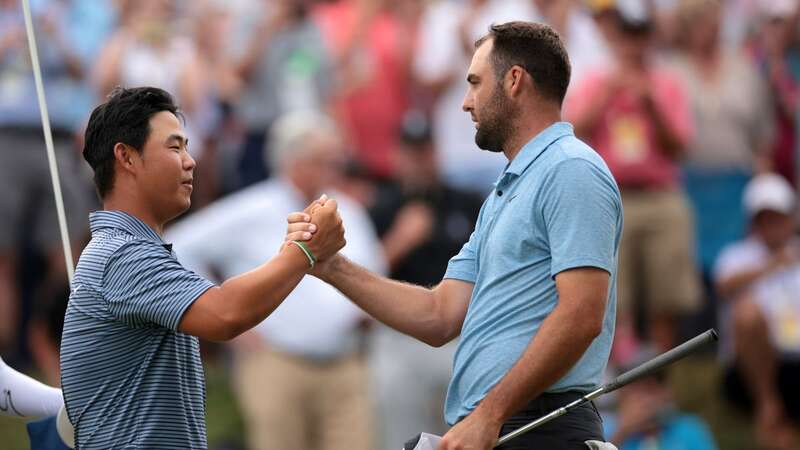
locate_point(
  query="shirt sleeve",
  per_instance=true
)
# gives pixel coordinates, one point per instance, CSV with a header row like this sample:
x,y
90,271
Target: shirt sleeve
x,y
144,285
582,211
464,266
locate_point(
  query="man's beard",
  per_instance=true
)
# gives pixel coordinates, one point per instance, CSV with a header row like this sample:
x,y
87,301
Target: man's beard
x,y
495,123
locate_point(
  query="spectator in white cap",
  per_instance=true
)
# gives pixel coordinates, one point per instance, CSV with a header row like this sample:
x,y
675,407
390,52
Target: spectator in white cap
x,y
759,280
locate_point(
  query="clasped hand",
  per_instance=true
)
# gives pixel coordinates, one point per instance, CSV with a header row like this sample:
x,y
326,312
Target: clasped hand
x,y
320,226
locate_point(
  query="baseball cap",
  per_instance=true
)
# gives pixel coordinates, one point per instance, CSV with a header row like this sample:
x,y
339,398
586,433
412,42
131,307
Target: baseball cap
x,y
415,128
635,16
768,192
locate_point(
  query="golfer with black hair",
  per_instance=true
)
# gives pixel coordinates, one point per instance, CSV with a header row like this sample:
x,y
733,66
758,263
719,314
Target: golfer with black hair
x,y
130,360
532,293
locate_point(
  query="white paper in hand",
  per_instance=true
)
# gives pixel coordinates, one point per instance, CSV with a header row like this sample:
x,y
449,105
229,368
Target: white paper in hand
x,y
428,442
600,445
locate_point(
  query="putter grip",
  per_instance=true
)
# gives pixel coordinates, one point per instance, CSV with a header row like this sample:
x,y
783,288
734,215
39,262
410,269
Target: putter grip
x,y
662,360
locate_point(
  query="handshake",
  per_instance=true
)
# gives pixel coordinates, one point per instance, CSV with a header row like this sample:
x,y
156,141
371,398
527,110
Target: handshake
x,y
317,230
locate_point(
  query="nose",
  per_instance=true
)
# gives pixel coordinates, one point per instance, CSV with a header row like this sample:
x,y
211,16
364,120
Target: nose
x,y
467,104
188,162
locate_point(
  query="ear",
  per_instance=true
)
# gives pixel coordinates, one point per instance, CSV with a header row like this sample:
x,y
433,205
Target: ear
x,y
124,155
515,80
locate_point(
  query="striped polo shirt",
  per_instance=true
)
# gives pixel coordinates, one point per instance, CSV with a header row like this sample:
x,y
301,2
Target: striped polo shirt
x,y
130,379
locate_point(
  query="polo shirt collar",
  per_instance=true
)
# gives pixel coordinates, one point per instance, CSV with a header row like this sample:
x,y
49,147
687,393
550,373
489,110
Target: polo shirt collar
x,y
120,220
537,145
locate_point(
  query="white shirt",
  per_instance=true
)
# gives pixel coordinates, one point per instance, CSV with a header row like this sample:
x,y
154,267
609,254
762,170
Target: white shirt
x,y
441,55
777,295
242,231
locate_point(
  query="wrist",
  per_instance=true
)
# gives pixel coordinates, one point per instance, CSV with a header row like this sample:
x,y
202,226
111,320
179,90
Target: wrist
x,y
490,415
306,250
296,255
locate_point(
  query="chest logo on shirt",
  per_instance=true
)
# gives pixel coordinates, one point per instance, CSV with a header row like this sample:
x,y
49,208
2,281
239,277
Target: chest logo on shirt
x,y
7,403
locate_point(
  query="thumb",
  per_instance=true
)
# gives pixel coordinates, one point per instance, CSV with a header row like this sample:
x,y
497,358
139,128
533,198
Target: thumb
x,y
330,204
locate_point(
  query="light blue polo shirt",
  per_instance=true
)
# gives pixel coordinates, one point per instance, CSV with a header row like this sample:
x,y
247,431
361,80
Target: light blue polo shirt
x,y
130,379
555,207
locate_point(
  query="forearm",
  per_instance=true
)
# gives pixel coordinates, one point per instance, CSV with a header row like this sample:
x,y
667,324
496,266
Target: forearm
x,y
410,309
560,342
732,285
249,298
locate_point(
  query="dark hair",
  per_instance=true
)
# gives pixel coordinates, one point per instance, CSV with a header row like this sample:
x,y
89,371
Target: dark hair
x,y
535,47
124,117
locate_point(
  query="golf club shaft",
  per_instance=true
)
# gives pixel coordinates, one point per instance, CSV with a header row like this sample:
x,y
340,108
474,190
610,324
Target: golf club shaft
x,y
645,369
547,418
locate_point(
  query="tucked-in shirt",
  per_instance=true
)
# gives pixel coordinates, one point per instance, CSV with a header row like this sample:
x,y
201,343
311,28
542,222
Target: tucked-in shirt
x,y
247,228
556,207
626,136
130,379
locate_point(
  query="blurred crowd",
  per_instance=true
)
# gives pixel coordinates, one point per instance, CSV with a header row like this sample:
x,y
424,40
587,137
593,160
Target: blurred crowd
x,y
693,104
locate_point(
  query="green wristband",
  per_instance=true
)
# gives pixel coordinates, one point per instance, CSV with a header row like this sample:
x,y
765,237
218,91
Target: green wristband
x,y
311,258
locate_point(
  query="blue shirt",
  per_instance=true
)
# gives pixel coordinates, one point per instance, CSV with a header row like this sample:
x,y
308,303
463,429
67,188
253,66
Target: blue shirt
x,y
555,207
681,432
130,379
43,435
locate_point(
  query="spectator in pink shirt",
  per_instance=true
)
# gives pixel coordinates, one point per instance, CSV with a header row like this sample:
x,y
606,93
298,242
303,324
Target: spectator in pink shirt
x,y
637,117
371,44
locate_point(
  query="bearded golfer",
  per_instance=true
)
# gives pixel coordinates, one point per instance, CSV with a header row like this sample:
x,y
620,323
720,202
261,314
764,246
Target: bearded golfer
x,y
532,293
130,359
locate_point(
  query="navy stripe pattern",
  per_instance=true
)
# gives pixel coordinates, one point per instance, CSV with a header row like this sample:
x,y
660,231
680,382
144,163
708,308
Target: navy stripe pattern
x,y
130,379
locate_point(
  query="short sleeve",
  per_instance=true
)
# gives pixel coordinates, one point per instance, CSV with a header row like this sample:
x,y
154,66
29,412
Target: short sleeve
x,y
735,259
464,266
582,215
145,285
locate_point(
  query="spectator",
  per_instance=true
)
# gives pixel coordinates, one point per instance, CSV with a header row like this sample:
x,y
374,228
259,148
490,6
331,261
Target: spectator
x,y
422,222
211,28
586,45
635,114
285,68
448,30
649,419
315,395
759,278
372,47
27,208
733,125
150,49
44,334
777,54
